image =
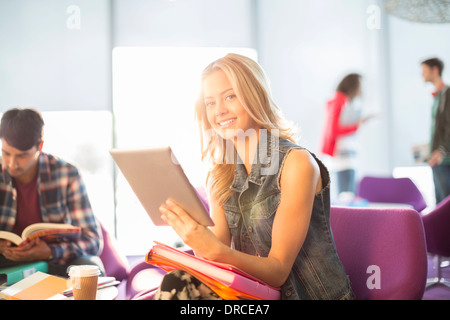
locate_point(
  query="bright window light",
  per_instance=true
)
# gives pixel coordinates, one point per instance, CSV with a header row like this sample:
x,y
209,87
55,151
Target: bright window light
x,y
422,176
69,135
154,89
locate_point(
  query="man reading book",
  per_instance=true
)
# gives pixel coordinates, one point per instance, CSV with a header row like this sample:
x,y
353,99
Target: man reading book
x,y
38,187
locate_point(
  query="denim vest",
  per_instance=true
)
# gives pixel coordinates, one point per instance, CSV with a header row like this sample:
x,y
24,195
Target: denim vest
x,y
317,272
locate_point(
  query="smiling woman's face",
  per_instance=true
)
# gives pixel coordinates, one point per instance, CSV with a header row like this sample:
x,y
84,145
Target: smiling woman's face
x,y
225,112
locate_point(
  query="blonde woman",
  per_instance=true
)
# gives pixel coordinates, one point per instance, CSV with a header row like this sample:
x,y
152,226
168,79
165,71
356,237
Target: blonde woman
x,y
269,198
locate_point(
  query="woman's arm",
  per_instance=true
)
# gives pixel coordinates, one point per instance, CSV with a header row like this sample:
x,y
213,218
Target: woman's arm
x,y
220,228
300,181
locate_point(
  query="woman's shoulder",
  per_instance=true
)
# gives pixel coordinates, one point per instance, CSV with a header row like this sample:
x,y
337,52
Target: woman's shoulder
x,y
299,167
287,147
300,158
295,152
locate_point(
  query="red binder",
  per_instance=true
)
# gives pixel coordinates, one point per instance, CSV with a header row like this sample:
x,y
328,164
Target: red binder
x,y
225,280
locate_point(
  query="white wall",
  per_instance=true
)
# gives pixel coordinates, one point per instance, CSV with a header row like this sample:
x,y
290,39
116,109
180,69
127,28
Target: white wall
x,y
54,56
218,23
307,47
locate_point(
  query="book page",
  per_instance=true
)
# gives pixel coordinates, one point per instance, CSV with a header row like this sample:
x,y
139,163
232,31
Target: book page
x,y
10,236
37,227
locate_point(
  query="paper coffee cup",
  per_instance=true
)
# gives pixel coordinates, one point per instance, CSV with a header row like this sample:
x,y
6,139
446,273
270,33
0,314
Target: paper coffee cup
x,y
84,279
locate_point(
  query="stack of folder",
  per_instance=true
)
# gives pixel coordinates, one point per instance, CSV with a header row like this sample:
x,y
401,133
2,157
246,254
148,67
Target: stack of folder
x,y
11,275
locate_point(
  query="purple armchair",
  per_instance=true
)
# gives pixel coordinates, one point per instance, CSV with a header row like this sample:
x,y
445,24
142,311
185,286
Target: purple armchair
x,y
116,264
437,226
391,190
144,279
383,251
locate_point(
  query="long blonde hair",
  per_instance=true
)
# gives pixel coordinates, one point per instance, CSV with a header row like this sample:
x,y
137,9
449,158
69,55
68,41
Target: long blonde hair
x,y
252,90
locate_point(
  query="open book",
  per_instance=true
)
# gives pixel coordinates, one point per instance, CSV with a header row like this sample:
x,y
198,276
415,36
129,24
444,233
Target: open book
x,y
225,280
49,232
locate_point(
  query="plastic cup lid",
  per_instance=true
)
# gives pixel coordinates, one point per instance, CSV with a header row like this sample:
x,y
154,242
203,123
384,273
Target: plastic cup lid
x,y
83,271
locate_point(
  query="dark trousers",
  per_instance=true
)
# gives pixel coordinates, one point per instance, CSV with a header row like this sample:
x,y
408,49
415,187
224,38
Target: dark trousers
x,y
441,177
346,180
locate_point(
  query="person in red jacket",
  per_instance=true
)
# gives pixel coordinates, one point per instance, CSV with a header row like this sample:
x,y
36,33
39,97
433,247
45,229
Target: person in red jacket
x,y
341,122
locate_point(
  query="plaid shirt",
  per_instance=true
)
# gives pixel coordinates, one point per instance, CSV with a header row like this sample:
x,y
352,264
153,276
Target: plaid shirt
x,y
63,199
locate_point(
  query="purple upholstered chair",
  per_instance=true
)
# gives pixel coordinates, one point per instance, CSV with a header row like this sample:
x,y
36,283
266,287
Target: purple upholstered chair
x,y
144,279
437,228
203,197
391,190
383,251
116,264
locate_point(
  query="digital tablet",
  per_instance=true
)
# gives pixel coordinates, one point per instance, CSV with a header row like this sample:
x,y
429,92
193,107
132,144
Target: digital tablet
x,y
155,175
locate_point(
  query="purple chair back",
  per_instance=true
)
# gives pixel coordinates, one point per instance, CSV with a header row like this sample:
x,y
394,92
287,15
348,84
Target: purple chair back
x,y
144,279
383,251
437,228
201,192
116,265
392,190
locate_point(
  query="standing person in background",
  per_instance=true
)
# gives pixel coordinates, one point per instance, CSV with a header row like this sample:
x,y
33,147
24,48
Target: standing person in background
x,y
439,158
341,122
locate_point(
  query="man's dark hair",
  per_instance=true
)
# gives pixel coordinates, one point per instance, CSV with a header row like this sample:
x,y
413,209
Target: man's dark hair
x,y
22,128
350,84
435,62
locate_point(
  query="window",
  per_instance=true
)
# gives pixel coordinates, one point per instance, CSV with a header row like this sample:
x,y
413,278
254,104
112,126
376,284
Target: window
x,y
84,138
